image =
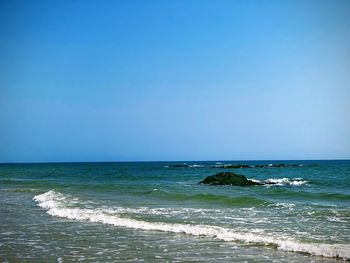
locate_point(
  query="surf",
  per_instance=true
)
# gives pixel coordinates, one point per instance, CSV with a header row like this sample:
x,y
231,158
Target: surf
x,y
65,206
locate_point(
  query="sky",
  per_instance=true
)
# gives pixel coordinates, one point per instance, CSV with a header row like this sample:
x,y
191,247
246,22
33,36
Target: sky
x,y
174,80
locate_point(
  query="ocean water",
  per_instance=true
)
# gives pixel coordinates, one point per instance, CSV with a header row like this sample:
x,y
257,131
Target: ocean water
x,y
152,212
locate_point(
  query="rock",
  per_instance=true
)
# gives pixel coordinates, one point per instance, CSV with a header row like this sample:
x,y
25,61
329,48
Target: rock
x,y
179,166
293,165
228,178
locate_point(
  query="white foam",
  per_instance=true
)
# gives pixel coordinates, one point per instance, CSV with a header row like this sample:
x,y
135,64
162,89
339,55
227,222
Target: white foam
x,y
287,181
58,205
195,166
254,180
283,205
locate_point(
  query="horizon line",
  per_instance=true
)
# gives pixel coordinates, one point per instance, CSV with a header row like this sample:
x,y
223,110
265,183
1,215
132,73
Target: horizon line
x,y
172,161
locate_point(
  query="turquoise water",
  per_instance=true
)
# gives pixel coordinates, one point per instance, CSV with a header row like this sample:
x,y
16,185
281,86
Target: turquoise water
x,y
152,212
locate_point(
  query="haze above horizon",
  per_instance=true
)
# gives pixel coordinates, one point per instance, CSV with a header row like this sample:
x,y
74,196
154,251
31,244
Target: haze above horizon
x,y
174,80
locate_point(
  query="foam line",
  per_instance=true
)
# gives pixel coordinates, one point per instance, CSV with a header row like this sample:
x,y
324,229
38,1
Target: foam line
x,y
59,205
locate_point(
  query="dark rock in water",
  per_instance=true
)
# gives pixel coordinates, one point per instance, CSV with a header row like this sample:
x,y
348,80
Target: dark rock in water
x,y
294,165
179,165
268,182
228,178
236,166
279,165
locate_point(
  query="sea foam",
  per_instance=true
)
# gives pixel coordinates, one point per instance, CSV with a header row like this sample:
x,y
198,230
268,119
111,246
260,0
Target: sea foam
x,y
287,181
60,205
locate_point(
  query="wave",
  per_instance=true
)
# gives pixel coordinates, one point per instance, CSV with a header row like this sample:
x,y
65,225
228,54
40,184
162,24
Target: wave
x,y
60,205
286,181
271,165
22,190
208,198
276,192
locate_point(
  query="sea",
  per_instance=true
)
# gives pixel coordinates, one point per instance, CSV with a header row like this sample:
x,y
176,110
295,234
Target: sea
x,y
158,212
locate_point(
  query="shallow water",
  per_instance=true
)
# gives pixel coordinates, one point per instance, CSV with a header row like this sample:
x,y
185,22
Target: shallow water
x,y
152,212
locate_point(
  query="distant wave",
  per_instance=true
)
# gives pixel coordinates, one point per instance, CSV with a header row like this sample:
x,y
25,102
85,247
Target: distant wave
x,y
239,166
233,165
184,165
64,206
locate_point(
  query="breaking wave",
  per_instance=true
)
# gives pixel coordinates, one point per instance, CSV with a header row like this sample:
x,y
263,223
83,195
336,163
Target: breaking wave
x,y
283,181
65,206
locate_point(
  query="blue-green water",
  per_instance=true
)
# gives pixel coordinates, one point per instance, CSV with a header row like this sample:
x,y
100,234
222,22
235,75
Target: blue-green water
x,y
150,212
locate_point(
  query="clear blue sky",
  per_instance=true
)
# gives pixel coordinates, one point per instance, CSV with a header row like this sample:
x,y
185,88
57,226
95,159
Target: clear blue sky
x,y
174,80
